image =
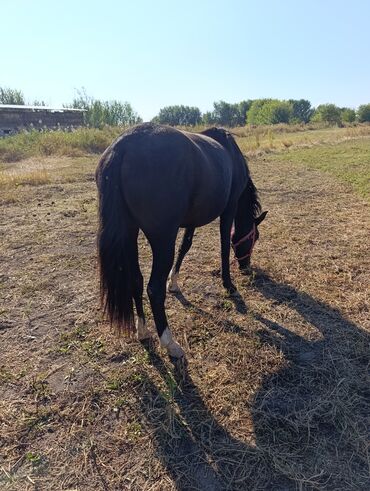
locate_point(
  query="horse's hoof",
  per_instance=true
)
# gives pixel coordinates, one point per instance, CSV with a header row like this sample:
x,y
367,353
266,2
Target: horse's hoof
x,y
173,348
172,286
143,332
147,336
173,289
175,351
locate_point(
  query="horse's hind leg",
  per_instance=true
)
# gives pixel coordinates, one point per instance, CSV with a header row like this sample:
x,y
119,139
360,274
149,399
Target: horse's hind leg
x,y
141,329
163,254
187,240
138,286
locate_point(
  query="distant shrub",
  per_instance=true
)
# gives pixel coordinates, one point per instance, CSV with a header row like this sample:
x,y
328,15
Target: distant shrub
x,y
99,113
226,114
11,96
208,118
269,111
301,110
254,110
179,116
348,115
328,113
363,113
242,111
11,153
79,142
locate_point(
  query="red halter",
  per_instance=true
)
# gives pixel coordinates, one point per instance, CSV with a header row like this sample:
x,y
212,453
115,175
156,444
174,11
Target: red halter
x,y
250,235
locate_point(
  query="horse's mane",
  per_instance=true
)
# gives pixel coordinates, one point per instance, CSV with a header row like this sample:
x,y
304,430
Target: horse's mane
x,y
226,139
254,199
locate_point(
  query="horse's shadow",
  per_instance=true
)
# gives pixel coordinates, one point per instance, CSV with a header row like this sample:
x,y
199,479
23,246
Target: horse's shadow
x,y
316,409
197,452
300,414
227,325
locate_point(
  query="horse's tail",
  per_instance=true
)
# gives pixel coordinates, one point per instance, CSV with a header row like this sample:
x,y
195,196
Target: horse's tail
x,y
117,250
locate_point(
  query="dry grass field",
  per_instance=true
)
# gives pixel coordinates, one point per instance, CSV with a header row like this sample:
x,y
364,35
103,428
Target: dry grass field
x,y
276,392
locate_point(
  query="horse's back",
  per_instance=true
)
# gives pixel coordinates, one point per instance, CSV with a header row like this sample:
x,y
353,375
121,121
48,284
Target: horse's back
x,y
171,176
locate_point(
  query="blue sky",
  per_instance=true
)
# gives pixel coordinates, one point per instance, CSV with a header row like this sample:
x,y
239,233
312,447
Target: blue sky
x,y
160,52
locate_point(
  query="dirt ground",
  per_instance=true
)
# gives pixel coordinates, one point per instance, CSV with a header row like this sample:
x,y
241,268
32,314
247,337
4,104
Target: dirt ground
x,y
276,394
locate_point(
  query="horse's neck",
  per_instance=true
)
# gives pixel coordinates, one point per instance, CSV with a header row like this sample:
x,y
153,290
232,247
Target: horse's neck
x,y
244,219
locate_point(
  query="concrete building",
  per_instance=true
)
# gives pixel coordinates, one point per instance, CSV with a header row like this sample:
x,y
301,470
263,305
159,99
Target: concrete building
x,y
14,118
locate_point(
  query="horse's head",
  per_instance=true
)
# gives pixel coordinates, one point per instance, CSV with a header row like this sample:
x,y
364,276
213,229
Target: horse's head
x,y
243,244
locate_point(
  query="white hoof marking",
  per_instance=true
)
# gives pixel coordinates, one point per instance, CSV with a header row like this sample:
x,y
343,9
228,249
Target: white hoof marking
x,y
173,348
141,329
172,285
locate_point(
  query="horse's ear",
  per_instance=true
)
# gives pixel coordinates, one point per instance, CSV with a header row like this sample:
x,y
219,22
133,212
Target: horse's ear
x,y
260,219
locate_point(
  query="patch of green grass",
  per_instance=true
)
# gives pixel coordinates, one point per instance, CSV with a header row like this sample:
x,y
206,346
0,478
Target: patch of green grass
x,y
71,339
40,388
226,305
37,421
38,461
348,161
138,378
87,141
33,457
134,430
142,358
93,348
115,383
77,143
5,375
280,138
119,379
119,403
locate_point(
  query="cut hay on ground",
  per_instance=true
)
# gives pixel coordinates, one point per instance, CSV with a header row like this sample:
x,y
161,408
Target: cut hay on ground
x,y
275,396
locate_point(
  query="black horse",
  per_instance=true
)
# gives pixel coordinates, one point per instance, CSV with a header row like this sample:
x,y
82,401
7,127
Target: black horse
x,y
158,179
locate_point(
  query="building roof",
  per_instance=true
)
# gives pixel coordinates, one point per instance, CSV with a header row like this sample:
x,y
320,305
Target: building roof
x,y
38,108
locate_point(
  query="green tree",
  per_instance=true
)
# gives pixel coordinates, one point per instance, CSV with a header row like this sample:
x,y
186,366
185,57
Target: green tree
x,y
242,110
254,110
269,111
328,113
363,113
208,118
224,114
99,113
179,116
227,114
301,110
11,96
348,115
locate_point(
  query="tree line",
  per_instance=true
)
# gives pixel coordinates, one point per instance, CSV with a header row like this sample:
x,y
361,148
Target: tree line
x,y
262,112
255,112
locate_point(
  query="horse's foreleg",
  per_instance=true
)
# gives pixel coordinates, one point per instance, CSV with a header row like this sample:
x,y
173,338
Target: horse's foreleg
x,y
163,254
226,221
186,243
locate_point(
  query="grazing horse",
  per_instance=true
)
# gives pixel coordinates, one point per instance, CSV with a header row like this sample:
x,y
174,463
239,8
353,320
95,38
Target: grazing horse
x,y
158,179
